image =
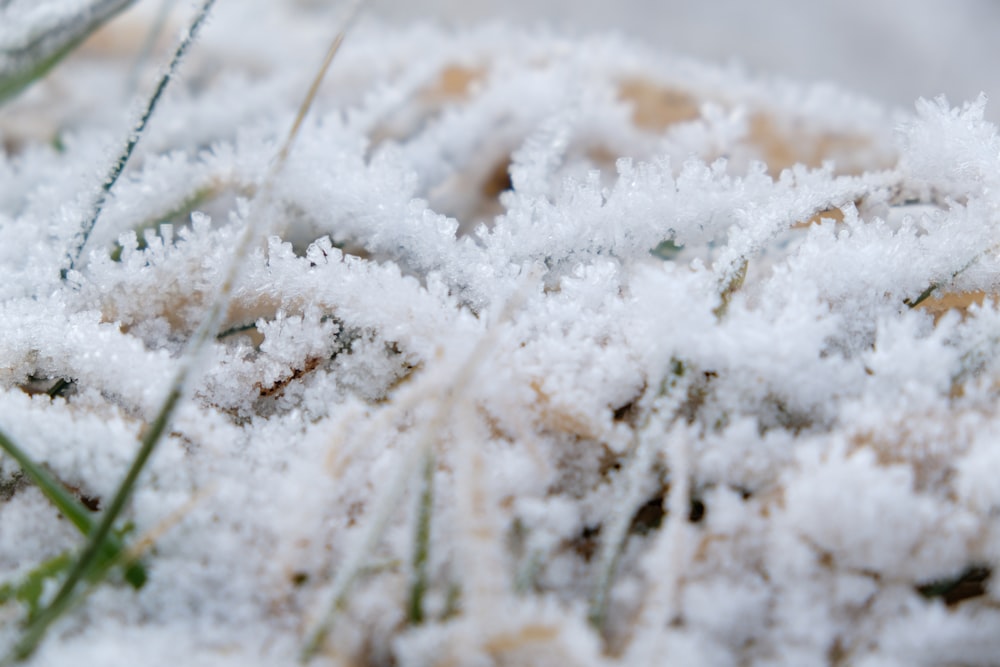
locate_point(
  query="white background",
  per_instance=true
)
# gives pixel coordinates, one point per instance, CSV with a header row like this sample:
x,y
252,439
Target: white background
x,y
890,50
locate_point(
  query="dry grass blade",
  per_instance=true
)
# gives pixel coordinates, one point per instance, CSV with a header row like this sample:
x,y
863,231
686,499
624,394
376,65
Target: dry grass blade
x,y
662,409
148,44
454,393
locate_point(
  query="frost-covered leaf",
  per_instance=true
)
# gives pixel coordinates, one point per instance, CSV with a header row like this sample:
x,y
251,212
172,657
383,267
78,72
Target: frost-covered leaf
x,y
35,36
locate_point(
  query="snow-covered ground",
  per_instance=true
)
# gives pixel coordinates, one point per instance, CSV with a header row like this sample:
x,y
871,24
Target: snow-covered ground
x,y
556,347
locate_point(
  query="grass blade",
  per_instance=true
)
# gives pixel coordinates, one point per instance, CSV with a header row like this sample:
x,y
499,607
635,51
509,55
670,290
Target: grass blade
x,y
70,507
97,206
148,44
422,542
656,415
44,46
461,378
89,557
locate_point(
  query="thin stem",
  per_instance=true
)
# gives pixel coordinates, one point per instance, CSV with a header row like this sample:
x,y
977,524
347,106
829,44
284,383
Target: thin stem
x,y
155,30
460,381
923,296
669,552
933,287
661,410
313,90
733,286
422,542
118,167
58,387
70,507
354,565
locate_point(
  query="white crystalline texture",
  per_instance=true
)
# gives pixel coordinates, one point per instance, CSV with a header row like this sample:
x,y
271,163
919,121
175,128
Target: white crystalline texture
x,y
747,328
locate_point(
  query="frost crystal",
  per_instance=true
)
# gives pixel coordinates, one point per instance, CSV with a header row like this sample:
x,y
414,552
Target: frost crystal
x,y
559,352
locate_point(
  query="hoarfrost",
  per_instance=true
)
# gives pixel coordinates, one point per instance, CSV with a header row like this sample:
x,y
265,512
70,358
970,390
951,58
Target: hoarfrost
x,y
702,359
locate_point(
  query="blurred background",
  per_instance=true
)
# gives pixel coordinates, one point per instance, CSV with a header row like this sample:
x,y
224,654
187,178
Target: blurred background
x,y
891,50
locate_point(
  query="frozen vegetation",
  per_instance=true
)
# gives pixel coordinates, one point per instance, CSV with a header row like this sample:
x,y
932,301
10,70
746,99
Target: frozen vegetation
x,y
552,351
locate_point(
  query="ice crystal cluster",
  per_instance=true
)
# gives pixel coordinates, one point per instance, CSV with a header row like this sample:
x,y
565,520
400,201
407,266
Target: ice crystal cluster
x,y
559,351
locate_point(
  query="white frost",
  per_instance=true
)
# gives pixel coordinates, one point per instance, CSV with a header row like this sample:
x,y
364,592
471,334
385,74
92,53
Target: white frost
x,y
657,322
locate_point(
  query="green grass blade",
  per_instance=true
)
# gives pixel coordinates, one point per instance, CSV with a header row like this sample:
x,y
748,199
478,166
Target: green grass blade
x,y
422,542
132,141
44,46
96,546
926,294
69,506
30,590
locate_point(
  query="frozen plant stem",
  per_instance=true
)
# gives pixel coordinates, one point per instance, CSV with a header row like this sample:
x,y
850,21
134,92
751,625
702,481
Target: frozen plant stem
x,y
935,286
159,23
669,556
354,565
422,542
385,504
97,206
663,408
729,289
926,294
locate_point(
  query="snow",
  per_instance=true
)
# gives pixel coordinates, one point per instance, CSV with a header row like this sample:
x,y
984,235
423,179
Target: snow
x,y
656,321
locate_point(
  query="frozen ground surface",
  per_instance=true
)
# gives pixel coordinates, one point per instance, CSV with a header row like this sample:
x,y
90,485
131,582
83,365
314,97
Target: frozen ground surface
x,y
701,364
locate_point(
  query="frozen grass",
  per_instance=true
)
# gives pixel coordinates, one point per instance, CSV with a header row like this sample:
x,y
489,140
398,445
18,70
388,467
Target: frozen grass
x,y
121,161
558,351
36,36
